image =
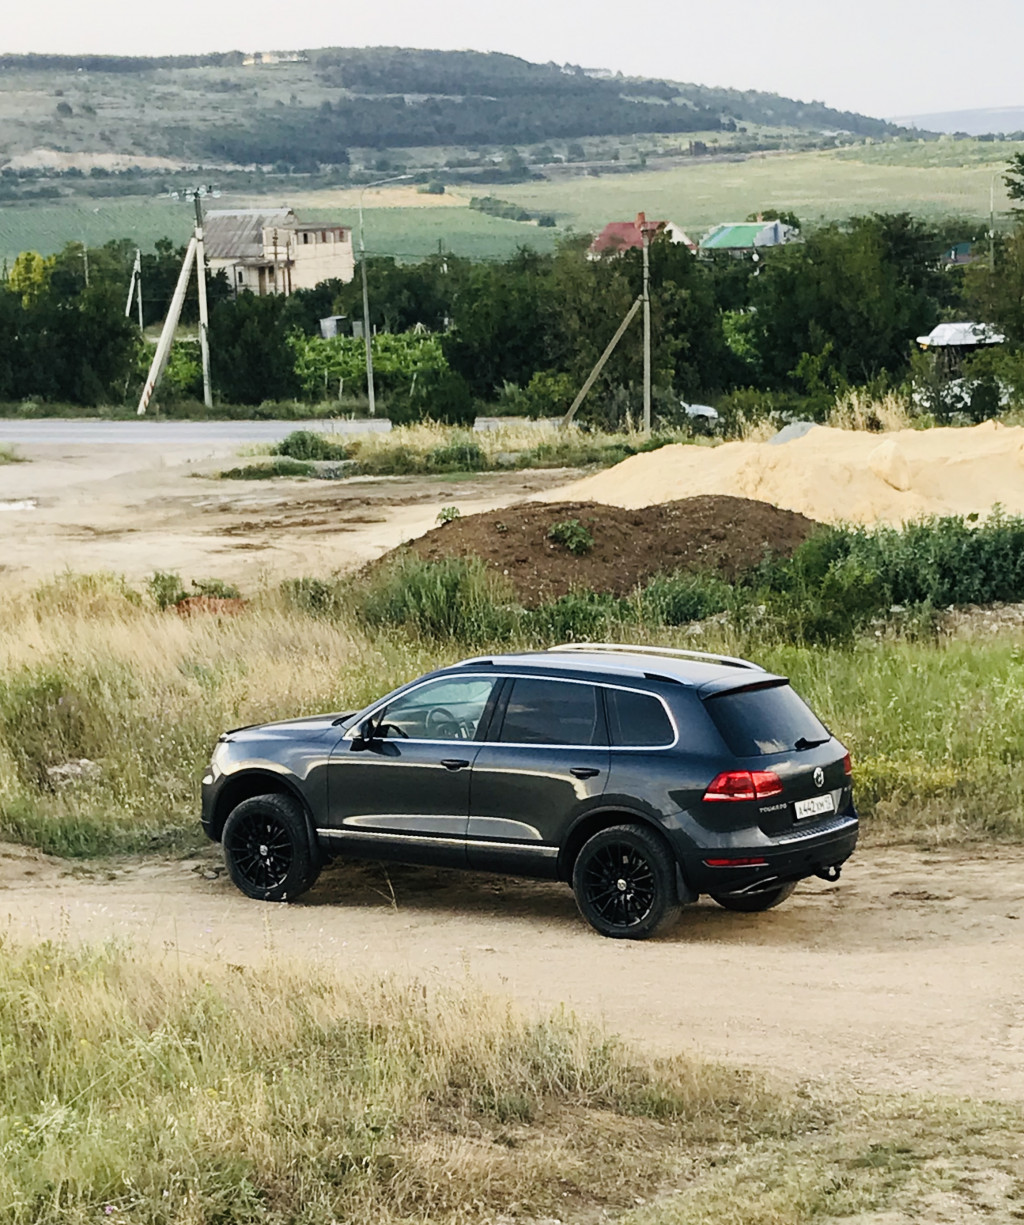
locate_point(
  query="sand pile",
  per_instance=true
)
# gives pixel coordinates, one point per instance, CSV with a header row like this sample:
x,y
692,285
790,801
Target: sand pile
x,y
832,475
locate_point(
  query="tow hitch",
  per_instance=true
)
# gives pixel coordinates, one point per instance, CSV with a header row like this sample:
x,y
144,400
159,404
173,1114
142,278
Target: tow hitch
x,y
832,872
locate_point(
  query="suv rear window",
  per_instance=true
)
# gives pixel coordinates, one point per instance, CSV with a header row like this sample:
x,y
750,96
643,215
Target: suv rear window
x,y
769,719
552,712
637,720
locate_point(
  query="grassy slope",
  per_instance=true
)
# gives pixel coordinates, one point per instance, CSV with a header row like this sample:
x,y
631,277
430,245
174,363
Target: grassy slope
x,y
816,186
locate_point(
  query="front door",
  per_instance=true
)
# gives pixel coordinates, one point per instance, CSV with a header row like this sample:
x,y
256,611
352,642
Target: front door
x,y
405,794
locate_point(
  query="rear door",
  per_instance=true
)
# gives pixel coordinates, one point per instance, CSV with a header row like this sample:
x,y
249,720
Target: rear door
x,y
544,763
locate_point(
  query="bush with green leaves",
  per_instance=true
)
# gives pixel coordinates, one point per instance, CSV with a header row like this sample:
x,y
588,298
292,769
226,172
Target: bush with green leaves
x,y
306,444
572,535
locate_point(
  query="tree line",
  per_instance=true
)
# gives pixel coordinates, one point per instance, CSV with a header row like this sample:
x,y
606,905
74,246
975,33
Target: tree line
x,y
796,327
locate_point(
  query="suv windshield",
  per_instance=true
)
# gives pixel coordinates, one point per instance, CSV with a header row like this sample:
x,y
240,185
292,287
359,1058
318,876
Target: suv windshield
x,y
768,719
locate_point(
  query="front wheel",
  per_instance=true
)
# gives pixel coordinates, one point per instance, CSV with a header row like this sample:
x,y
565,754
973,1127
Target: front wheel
x,y
752,903
624,880
267,850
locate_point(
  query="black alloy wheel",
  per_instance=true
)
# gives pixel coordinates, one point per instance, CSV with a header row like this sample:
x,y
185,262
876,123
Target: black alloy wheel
x,y
267,850
624,881
758,900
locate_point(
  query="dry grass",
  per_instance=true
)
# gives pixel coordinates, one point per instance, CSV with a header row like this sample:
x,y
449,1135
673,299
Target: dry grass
x,y
149,1093
857,410
142,1092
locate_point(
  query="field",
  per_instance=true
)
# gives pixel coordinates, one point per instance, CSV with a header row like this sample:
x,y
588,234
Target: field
x,y
932,180
816,186
411,232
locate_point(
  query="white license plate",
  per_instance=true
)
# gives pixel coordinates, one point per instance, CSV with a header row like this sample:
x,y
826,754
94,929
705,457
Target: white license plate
x,y
814,807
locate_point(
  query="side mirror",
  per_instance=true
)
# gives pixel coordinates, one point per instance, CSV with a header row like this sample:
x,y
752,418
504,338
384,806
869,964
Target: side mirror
x,y
364,737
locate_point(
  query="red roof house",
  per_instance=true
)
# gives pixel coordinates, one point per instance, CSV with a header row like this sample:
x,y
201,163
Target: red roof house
x,y
619,236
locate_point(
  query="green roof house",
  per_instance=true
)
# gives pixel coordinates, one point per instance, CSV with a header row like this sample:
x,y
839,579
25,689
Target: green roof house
x,y
744,237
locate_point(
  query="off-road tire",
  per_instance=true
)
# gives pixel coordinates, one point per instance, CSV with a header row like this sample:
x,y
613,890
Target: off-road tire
x,y
624,880
267,849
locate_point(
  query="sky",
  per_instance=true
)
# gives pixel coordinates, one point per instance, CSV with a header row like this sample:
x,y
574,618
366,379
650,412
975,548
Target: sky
x,y
880,57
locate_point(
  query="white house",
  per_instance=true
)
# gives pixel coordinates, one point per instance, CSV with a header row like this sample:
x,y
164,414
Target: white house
x,y
271,251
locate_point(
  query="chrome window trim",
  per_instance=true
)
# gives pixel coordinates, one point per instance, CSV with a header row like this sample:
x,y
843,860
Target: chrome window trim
x,y
515,744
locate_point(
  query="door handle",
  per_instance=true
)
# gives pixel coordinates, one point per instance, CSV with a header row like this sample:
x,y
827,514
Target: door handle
x,y
583,771
454,763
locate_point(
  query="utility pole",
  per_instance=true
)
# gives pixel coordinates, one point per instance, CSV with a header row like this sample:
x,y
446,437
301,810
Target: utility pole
x,y
645,240
204,317
135,288
163,347
992,224
195,251
367,338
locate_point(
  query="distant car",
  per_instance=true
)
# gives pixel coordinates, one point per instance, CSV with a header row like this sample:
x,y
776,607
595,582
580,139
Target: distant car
x,y
643,776
704,411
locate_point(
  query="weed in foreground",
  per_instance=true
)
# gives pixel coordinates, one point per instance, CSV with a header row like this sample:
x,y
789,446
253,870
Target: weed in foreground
x,y
165,1094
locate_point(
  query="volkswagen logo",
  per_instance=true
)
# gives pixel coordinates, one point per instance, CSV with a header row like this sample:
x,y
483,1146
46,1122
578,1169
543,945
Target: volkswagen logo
x,y
819,776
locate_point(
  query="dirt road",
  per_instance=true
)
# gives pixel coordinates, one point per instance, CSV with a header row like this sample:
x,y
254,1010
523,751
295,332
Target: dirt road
x,y
133,509
907,975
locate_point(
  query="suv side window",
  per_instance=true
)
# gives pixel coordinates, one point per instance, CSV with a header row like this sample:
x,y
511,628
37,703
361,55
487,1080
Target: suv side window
x,y
552,712
448,709
638,720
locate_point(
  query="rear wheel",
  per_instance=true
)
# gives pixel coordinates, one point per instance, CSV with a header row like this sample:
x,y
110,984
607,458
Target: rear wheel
x,y
751,903
624,879
267,850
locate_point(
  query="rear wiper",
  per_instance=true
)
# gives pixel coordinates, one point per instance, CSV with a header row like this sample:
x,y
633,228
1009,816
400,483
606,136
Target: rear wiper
x,y
804,743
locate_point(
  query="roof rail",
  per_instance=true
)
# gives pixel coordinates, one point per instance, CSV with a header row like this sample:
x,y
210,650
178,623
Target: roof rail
x,y
731,661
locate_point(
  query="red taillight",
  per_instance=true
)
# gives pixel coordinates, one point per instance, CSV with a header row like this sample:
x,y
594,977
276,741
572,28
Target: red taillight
x,y
736,863
847,765
734,785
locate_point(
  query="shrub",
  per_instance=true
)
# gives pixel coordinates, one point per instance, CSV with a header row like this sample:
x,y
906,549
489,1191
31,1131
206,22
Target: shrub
x,y
457,597
305,445
572,535
459,455
448,514
682,597
264,472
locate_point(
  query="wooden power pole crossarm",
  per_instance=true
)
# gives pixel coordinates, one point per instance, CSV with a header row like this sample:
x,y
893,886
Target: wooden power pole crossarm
x,y
592,376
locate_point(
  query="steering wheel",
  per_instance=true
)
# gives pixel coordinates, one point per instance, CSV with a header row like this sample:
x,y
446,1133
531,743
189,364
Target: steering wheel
x,y
442,723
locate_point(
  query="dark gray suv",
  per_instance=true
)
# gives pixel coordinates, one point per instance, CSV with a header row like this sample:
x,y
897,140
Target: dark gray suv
x,y
645,776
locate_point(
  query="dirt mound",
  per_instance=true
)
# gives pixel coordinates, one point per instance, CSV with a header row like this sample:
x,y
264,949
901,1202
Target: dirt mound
x,y
719,533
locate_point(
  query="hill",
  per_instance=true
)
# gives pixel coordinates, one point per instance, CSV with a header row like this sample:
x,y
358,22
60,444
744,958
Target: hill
x,y
981,122
309,108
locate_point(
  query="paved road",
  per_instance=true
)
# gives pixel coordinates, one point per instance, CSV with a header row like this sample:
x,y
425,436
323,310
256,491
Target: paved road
x,y
53,432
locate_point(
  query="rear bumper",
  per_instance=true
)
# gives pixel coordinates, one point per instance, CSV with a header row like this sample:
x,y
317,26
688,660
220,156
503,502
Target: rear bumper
x,y
790,856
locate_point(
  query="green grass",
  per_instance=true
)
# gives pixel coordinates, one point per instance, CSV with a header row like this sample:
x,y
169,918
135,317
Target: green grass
x,y
91,669
407,233
8,455
816,186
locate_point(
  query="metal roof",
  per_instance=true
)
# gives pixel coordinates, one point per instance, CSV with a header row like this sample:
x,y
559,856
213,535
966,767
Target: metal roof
x,y
238,233
954,335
